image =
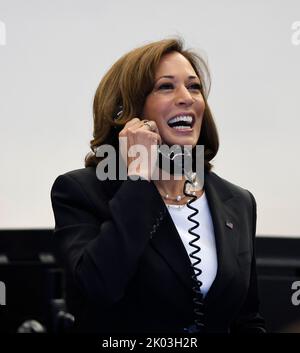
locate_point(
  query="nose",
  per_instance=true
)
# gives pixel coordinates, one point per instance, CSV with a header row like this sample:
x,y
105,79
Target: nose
x,y
184,97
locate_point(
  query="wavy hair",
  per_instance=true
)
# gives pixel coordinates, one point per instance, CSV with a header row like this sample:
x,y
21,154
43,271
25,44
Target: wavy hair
x,y
129,81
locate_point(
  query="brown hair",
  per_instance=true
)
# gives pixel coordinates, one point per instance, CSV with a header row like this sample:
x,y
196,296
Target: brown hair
x,y
128,82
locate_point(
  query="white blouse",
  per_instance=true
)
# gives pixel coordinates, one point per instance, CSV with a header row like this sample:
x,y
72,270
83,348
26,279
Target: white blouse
x,y
208,253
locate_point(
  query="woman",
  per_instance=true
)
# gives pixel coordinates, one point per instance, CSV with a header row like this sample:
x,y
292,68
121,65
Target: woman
x,y
126,243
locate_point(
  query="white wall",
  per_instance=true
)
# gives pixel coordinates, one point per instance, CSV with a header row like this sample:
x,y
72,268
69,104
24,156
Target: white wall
x,y
55,52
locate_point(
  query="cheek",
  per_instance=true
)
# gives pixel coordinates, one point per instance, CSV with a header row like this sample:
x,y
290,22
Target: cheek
x,y
155,109
201,106
150,109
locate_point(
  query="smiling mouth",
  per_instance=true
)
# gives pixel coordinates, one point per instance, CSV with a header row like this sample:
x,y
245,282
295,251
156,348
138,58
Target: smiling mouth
x,y
182,122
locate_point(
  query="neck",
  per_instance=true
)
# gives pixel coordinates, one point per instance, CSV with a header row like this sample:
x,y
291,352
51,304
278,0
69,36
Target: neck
x,y
167,184
171,187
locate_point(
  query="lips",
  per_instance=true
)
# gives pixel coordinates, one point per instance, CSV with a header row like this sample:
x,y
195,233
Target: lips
x,y
182,121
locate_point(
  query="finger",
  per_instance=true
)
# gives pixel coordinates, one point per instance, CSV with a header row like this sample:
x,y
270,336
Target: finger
x,y
159,140
151,125
131,123
154,137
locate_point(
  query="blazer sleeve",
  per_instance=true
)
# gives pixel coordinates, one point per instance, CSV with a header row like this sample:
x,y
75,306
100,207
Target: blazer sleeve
x,y
249,319
103,253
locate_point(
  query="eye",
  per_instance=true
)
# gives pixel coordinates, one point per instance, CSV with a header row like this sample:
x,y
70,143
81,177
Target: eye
x,y
165,86
196,86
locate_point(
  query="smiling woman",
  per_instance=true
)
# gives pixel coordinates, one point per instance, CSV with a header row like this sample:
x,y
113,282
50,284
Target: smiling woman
x,y
176,103
135,79
157,255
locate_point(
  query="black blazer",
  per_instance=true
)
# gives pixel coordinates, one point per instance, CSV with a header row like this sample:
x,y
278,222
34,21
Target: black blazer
x,y
129,270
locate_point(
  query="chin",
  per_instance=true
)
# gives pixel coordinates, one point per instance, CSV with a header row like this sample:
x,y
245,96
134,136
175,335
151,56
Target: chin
x,y
182,141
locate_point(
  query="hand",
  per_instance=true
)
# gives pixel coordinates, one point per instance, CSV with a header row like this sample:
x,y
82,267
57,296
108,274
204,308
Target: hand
x,y
134,134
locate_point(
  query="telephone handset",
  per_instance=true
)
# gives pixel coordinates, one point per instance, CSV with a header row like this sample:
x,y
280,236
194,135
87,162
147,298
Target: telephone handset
x,y
179,160
175,160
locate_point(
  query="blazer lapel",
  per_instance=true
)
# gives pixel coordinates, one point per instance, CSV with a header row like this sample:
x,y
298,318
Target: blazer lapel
x,y
168,244
226,227
166,241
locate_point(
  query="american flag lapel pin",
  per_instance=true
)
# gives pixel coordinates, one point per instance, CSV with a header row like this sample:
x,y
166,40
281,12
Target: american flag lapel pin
x,y
229,224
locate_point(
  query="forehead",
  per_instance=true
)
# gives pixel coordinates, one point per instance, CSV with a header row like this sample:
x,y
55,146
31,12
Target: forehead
x,y
174,64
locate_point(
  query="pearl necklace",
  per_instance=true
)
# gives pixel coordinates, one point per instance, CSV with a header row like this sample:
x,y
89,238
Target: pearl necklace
x,y
176,198
177,207
191,189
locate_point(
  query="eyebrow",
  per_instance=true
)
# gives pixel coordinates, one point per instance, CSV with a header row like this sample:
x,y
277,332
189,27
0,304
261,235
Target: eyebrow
x,y
170,76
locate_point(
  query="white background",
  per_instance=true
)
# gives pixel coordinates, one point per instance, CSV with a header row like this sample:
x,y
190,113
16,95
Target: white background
x,y
57,51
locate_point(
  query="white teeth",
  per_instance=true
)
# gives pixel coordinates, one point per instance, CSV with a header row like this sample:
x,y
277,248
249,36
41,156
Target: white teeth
x,y
187,118
181,127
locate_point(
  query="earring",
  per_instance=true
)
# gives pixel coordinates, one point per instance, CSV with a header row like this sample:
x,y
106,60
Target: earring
x,y
119,112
